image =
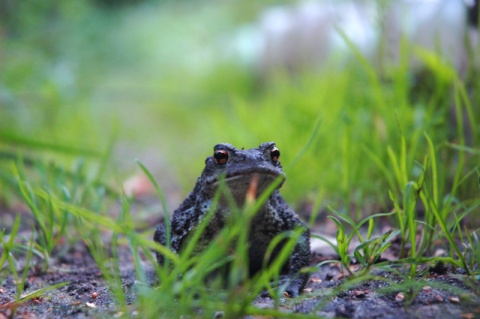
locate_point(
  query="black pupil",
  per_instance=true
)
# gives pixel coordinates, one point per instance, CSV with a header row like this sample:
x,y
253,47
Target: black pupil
x,y
275,154
221,157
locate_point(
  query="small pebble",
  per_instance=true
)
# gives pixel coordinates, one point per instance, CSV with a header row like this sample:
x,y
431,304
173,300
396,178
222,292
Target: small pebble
x,y
440,252
454,299
400,297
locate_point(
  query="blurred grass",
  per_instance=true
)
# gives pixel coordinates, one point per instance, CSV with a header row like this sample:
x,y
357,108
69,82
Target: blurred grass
x,y
164,75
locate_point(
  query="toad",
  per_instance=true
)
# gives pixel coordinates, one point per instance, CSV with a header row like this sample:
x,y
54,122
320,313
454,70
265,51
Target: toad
x,y
244,172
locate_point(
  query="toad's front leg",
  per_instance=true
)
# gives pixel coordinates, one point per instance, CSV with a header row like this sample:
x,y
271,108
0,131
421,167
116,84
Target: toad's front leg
x,y
299,259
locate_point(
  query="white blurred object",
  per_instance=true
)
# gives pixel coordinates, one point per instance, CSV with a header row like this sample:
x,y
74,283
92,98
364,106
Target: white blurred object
x,y
436,25
300,36
321,247
306,35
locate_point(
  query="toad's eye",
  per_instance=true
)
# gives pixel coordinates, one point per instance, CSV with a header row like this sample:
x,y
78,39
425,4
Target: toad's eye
x,y
275,154
220,157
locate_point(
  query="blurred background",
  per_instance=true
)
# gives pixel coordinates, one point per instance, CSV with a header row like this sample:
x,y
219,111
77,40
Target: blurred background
x,y
164,81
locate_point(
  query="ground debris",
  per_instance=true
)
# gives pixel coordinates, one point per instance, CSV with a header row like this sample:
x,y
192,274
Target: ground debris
x,y
330,292
374,297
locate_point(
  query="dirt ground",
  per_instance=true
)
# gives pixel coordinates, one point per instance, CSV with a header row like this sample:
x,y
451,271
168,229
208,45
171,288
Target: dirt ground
x,y
440,292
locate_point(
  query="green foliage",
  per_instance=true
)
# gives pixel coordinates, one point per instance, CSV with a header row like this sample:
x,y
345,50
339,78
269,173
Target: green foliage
x,y
368,250
362,110
8,243
357,139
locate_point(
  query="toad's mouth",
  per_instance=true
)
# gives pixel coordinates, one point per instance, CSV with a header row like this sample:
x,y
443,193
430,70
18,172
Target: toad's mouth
x,y
248,184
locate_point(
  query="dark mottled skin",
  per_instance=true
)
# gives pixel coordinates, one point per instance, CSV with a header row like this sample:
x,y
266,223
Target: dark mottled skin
x,y
272,219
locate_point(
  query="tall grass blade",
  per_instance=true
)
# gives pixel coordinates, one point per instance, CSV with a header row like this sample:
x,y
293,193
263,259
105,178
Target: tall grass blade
x,y
161,195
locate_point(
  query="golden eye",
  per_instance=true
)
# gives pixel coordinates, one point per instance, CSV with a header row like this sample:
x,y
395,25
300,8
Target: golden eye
x,y
275,154
220,157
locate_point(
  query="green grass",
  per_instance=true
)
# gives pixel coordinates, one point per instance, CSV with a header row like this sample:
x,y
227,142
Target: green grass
x,y
360,142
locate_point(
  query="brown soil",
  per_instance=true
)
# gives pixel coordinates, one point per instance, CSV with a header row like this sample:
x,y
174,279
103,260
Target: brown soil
x,y
440,293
